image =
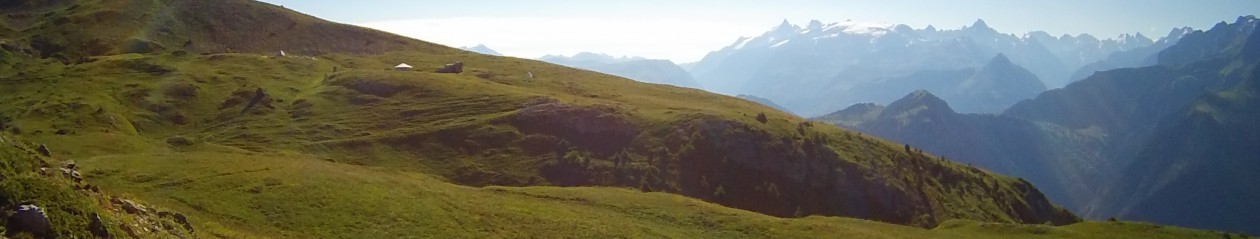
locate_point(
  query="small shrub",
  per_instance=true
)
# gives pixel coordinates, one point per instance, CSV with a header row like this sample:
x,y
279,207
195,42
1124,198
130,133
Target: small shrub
x,y
144,66
179,141
537,144
180,89
97,47
363,99
140,46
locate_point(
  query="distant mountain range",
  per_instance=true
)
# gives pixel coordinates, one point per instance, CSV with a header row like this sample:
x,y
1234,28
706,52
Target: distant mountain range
x,y
1136,57
990,89
763,101
1173,142
483,49
635,68
813,69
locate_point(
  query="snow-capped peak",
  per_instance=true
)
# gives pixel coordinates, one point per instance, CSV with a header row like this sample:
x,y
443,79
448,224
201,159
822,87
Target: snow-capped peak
x,y
739,44
784,26
814,25
1175,35
860,28
979,24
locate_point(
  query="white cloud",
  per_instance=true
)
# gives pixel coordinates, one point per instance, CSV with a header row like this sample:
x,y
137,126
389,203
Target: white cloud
x,y
680,40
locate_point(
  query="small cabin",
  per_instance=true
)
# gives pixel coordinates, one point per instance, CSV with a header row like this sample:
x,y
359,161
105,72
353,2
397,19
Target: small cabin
x,y
403,67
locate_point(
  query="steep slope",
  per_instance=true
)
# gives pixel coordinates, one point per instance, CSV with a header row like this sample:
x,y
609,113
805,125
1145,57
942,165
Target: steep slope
x,y
267,190
4,28
1206,149
1031,54
384,202
996,86
138,118
500,131
114,27
1165,148
69,205
1222,40
1130,143
1052,157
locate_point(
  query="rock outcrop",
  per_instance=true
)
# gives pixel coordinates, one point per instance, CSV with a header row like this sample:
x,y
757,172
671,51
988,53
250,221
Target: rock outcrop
x,y
29,219
98,228
457,67
43,150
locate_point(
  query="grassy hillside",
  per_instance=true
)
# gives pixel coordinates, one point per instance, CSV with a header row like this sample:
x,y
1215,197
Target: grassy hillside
x,y
277,195
489,126
74,208
338,145
252,195
229,193
144,26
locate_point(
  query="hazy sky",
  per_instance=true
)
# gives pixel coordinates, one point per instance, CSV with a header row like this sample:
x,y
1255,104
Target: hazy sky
x,y
684,31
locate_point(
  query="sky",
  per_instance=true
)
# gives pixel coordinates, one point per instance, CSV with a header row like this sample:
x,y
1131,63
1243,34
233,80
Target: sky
x,y
684,31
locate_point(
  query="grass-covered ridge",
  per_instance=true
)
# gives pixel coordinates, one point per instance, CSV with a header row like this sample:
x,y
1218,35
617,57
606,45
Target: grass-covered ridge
x,y
490,127
242,194
144,26
235,194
